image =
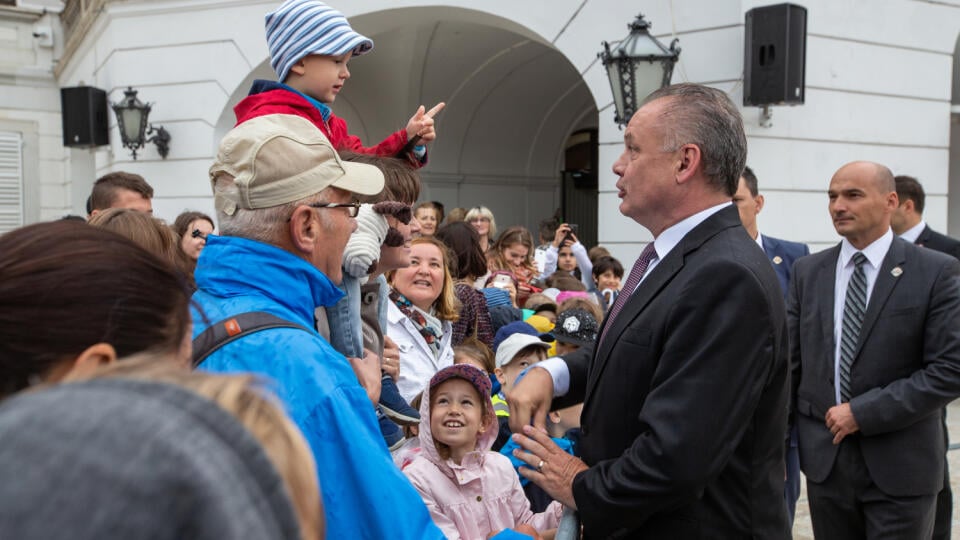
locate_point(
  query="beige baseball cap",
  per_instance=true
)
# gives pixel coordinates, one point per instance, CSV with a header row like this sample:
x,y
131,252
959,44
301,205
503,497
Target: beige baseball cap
x,y
281,158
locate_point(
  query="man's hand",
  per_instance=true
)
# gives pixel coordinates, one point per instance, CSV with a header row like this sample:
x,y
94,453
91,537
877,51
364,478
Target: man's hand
x,y
421,124
530,399
553,469
840,422
367,370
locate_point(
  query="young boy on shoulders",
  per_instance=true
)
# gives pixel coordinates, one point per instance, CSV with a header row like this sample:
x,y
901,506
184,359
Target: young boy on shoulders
x,y
310,45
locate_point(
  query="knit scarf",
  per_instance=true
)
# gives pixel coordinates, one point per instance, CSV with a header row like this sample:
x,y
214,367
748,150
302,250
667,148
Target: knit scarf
x,y
431,335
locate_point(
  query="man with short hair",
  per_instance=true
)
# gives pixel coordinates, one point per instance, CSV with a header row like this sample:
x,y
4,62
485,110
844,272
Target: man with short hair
x,y
684,405
907,222
875,354
120,189
285,204
782,255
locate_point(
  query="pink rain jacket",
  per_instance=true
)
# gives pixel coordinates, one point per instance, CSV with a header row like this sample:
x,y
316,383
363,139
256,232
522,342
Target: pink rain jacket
x,y
477,497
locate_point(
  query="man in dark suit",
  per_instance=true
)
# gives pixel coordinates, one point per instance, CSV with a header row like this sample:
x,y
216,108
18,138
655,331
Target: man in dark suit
x,y
875,353
685,403
782,254
907,223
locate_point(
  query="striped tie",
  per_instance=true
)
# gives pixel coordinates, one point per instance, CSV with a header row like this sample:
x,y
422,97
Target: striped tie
x,y
636,274
854,307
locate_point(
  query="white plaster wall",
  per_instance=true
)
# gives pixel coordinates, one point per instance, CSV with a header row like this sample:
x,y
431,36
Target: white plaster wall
x,y
878,87
30,105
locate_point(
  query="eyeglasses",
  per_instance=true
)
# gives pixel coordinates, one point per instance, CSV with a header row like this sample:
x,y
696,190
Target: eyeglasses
x,y
479,219
354,207
197,234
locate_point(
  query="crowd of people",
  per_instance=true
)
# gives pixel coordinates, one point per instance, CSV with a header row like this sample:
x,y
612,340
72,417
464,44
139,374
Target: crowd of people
x,y
330,358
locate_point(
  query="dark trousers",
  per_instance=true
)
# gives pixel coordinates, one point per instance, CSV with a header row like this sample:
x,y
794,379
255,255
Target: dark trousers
x,y
791,487
942,523
849,505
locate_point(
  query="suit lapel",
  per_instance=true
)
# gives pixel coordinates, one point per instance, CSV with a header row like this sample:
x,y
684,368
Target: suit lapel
x,y
925,235
825,279
887,279
658,278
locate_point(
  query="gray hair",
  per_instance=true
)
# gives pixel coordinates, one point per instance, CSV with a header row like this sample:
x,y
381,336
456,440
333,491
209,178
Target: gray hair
x,y
705,117
263,224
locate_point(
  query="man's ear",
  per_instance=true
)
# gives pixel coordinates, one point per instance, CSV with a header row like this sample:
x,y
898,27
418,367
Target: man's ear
x,y
93,357
907,205
689,162
304,230
759,200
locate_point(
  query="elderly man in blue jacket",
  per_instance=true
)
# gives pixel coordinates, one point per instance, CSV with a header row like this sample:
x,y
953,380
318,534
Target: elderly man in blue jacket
x,y
285,205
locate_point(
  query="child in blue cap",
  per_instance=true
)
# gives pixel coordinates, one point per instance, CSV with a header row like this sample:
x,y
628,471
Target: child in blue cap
x,y
310,45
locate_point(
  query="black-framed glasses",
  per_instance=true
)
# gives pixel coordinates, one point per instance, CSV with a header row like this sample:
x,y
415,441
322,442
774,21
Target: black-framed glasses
x,y
198,234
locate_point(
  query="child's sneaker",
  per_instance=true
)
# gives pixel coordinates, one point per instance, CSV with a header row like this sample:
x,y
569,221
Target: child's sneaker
x,y
394,406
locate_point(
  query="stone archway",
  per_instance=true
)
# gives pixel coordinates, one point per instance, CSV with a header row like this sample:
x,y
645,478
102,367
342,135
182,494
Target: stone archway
x,y
512,102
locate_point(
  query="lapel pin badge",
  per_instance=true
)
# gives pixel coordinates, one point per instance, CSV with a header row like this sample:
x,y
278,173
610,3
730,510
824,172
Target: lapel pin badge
x,y
777,259
896,271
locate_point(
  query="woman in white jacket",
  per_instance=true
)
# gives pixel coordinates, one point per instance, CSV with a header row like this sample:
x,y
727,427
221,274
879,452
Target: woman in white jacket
x,y
422,306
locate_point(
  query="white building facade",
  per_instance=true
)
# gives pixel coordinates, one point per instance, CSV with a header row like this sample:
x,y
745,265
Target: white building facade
x,y
524,91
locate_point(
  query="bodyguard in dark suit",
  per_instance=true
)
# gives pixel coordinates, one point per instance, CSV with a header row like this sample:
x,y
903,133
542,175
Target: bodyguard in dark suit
x,y
875,351
907,222
782,255
684,401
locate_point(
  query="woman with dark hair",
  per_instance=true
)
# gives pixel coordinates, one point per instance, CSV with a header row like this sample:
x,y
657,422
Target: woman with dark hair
x,y
467,264
513,252
73,297
192,229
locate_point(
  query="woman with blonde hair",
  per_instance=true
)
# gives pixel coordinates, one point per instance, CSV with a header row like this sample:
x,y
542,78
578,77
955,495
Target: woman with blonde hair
x,y
481,219
423,305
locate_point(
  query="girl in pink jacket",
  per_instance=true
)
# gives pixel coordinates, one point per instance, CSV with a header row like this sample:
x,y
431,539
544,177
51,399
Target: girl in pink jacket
x,y
469,490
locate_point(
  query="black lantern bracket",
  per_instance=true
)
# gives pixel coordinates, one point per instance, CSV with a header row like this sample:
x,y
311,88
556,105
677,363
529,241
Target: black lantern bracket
x,y
132,121
639,65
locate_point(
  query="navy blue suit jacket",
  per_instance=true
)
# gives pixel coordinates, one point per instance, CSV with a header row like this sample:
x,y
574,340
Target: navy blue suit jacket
x,y
782,254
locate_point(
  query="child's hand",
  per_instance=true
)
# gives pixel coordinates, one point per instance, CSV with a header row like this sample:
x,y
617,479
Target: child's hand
x,y
367,370
421,125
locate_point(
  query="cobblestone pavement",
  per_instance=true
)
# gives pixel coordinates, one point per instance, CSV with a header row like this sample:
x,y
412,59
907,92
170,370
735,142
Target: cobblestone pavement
x,y
801,525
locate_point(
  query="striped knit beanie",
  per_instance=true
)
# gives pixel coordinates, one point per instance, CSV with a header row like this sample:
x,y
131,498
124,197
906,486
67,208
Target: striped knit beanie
x,y
302,27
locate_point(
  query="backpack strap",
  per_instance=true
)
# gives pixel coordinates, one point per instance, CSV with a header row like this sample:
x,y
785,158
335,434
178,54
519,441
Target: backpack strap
x,y
233,328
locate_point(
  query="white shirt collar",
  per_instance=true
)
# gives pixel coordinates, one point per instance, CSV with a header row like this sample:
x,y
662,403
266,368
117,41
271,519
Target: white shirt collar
x,y
759,241
875,252
671,236
911,234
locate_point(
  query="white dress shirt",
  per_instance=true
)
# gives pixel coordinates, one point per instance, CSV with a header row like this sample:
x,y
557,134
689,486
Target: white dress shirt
x,y
874,253
663,245
911,234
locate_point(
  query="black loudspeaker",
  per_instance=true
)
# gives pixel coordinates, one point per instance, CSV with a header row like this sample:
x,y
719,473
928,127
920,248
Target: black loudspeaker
x,y
775,55
84,113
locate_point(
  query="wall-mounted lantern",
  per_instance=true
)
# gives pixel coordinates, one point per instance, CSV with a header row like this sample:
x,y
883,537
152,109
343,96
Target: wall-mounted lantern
x,y
637,67
132,115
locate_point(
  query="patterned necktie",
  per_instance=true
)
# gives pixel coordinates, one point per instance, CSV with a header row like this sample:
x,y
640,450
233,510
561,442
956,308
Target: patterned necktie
x,y
854,307
636,274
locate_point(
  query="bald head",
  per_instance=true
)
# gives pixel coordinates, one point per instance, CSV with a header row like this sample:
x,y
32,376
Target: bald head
x,y
863,197
878,174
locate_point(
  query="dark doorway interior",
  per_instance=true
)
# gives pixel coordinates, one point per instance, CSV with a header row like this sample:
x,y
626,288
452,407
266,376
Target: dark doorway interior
x,y
578,198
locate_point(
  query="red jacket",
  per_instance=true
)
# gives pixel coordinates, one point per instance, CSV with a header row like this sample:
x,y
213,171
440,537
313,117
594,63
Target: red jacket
x,y
277,100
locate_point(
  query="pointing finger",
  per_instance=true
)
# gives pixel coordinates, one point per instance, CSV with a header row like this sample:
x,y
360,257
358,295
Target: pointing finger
x,y
436,108
419,113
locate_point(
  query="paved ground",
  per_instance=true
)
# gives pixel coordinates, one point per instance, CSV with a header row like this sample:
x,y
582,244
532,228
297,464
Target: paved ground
x,y
801,526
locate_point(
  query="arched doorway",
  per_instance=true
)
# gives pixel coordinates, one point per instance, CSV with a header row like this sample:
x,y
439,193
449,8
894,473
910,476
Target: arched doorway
x,y
512,103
